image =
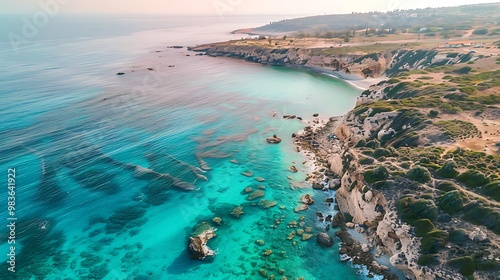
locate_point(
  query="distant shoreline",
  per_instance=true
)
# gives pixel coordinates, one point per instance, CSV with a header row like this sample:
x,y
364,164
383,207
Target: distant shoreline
x,y
355,81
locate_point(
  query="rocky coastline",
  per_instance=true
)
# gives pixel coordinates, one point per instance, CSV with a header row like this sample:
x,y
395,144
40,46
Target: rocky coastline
x,y
316,143
369,219
388,157
360,68
348,67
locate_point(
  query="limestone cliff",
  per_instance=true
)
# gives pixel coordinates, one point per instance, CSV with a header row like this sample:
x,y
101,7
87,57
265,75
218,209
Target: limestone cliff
x,y
370,208
348,66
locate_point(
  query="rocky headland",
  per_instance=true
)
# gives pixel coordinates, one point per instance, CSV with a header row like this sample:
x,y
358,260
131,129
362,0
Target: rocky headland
x,y
414,166
349,66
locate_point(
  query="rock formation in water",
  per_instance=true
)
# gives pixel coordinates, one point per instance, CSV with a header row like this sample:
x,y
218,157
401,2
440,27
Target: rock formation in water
x,y
197,247
273,140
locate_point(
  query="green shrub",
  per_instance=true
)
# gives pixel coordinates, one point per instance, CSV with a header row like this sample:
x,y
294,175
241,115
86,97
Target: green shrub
x,y
379,173
451,202
480,31
431,165
374,144
465,265
473,178
433,113
367,152
433,241
424,160
449,109
398,173
380,109
481,215
411,209
463,70
383,184
361,143
405,165
428,260
419,174
448,170
447,186
381,152
487,265
458,236
393,81
492,189
423,226
366,160
456,129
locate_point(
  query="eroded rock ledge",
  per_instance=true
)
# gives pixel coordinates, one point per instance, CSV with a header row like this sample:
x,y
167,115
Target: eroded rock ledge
x,y
351,66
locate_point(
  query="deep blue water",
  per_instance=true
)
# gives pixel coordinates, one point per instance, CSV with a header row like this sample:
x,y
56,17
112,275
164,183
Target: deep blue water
x,y
103,161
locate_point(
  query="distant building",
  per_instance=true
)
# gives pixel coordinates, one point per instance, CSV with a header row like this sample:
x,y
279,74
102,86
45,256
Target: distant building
x,y
458,44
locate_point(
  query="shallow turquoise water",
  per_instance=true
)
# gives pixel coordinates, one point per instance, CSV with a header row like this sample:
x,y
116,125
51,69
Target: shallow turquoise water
x,y
77,135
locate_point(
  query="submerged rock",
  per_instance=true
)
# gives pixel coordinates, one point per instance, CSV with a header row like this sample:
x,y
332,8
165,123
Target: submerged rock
x,y
267,203
273,140
324,239
306,236
247,173
259,179
123,218
248,190
197,247
294,169
217,220
300,207
255,194
307,199
237,211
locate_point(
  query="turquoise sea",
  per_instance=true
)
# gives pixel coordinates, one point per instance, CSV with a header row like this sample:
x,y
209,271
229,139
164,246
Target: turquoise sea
x,y
88,146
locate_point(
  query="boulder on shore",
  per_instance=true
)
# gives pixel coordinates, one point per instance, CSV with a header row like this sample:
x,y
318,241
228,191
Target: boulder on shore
x,y
324,239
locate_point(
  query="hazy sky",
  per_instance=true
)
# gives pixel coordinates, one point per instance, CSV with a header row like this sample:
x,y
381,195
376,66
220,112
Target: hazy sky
x,y
218,7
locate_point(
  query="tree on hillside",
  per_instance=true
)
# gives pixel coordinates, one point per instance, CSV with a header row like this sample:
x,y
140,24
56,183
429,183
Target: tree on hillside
x,y
329,34
480,31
